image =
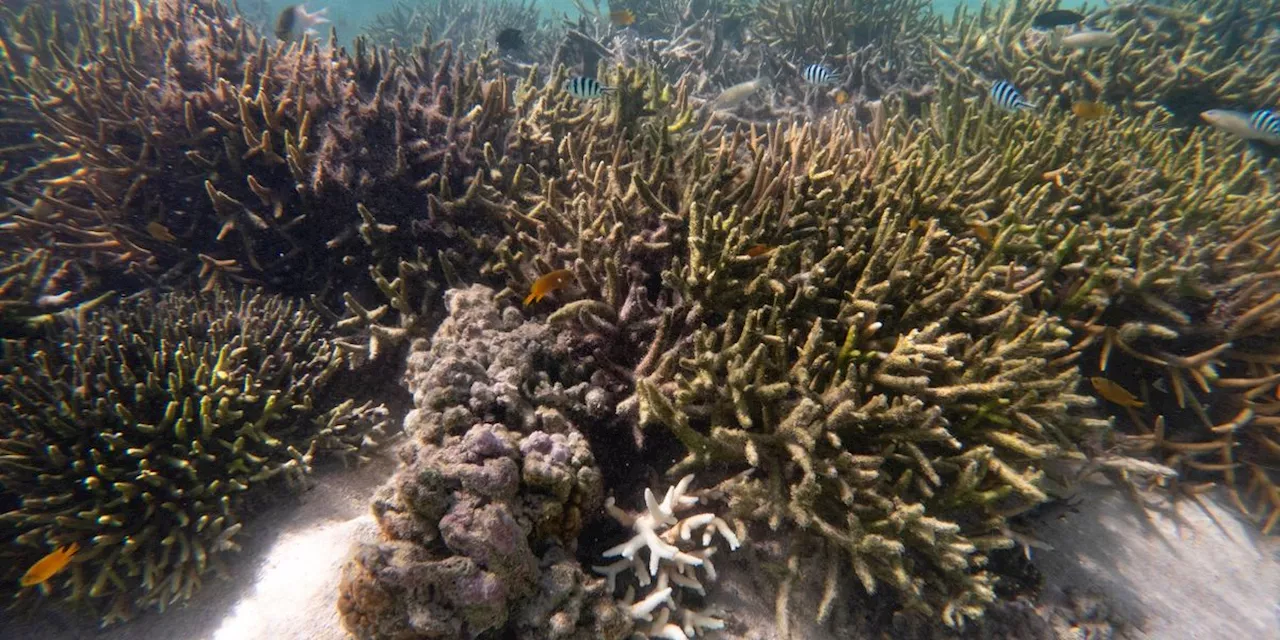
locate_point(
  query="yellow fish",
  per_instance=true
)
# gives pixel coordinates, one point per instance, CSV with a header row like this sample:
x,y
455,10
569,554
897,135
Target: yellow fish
x,y
1086,110
44,568
622,17
1115,393
983,232
160,232
841,97
548,283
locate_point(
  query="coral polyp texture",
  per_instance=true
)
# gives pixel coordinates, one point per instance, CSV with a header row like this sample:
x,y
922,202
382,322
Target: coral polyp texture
x,y
175,141
678,547
480,525
141,432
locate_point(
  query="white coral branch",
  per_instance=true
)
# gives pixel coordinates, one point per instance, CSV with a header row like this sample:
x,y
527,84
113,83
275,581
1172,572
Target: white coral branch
x,y
670,568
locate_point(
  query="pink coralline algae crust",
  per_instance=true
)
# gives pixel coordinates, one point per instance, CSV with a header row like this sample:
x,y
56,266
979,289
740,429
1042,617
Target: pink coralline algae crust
x,y
480,525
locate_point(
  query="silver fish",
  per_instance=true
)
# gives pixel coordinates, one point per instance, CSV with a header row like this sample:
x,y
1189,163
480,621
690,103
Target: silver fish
x,y
1261,125
738,93
1088,39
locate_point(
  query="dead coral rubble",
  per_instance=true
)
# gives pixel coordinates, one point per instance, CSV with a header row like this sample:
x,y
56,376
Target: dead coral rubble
x,y
481,523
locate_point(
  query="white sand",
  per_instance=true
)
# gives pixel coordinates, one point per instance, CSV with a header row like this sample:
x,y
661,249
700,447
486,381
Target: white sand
x,y
1198,579
1197,582
283,584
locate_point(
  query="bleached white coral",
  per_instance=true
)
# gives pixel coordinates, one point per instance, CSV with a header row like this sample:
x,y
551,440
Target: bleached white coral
x,y
674,555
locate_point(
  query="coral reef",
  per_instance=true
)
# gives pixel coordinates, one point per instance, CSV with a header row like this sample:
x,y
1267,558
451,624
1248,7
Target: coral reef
x,y
472,25
1156,250
205,151
144,432
863,364
671,570
1181,59
481,522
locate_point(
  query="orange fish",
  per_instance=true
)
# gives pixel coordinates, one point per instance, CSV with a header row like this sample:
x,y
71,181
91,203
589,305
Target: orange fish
x,y
1086,110
546,284
984,234
1115,393
622,17
841,97
758,250
44,568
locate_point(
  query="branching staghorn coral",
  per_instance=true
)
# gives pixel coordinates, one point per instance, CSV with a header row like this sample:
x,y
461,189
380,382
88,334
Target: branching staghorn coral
x,y
1183,58
216,152
897,397
743,355
35,289
1158,251
674,557
139,433
811,30
471,26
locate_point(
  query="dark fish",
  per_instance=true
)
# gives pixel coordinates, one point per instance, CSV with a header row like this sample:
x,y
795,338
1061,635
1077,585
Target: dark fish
x,y
585,88
1008,97
818,74
1056,18
294,21
510,39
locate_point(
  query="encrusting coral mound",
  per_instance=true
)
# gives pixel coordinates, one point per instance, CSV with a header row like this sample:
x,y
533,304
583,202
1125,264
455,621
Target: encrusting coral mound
x,y
480,524
141,433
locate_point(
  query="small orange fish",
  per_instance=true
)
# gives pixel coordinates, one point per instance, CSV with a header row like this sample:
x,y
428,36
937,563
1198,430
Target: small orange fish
x,y
1086,110
841,97
622,17
160,232
984,234
546,284
1115,393
758,250
44,568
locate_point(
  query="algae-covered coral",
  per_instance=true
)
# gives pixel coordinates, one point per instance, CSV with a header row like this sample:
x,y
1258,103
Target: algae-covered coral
x,y
141,433
480,524
176,142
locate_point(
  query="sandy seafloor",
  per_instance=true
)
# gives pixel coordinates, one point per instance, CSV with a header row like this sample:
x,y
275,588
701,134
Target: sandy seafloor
x,y
1108,575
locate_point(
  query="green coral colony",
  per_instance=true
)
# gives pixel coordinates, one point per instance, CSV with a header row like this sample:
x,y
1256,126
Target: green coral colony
x,y
868,325
138,431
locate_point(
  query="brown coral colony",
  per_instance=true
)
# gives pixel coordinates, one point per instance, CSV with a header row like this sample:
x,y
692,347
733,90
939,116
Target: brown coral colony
x,y
801,260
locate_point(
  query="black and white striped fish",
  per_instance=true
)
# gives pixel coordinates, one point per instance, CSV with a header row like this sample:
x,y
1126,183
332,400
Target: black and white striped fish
x,y
584,88
817,74
1007,96
1265,122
